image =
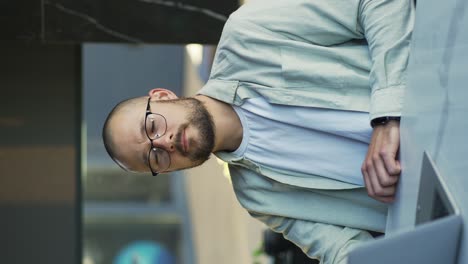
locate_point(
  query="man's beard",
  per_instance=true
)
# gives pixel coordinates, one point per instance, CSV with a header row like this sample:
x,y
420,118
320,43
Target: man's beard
x,y
200,119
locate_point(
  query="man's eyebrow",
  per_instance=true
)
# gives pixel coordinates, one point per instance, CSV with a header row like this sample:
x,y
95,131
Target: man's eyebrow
x,y
143,128
144,154
145,157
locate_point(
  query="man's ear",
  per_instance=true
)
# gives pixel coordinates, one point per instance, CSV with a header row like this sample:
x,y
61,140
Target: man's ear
x,y
161,94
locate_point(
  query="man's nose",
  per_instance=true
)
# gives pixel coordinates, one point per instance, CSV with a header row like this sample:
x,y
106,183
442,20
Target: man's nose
x,y
165,142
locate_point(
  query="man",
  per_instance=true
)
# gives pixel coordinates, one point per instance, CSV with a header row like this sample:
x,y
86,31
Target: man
x,y
293,86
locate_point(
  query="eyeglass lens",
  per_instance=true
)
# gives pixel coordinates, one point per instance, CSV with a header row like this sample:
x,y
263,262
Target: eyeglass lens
x,y
159,159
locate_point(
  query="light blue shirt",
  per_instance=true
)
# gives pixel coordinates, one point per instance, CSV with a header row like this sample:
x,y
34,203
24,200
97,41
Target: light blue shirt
x,y
307,140
333,54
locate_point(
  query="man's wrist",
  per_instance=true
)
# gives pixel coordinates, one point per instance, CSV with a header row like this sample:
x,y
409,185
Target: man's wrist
x,y
379,121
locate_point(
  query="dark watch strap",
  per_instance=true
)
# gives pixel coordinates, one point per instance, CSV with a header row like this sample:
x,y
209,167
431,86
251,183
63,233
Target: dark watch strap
x,y
383,120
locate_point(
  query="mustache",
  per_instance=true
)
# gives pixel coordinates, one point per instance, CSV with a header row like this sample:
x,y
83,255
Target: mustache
x,y
178,140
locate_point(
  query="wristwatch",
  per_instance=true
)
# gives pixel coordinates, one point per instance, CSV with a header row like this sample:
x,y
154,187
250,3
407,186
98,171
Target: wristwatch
x,y
383,120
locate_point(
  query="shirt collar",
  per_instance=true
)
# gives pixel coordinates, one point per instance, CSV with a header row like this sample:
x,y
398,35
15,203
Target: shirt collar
x,y
221,90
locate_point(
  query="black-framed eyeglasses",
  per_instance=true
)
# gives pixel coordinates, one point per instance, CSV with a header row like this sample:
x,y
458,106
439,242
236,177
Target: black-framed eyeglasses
x,y
159,159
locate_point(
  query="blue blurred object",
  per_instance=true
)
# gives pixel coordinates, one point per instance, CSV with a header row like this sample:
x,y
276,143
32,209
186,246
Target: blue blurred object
x,y
144,252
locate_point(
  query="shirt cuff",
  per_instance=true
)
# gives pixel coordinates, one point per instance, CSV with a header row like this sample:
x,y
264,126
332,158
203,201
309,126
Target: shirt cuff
x,y
387,101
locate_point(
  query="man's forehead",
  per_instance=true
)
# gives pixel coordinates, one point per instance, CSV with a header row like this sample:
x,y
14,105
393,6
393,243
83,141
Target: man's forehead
x,y
131,141
132,158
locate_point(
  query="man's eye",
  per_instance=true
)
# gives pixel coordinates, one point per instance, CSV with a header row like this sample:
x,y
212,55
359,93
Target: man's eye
x,y
156,159
153,127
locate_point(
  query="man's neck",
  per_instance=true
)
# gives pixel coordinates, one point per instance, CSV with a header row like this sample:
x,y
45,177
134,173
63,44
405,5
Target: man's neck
x,y
227,125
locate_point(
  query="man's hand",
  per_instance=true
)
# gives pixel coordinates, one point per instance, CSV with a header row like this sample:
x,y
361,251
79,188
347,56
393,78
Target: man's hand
x,y
381,168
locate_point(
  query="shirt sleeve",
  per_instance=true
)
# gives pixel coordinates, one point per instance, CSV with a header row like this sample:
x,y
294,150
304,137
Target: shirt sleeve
x,y
387,26
328,243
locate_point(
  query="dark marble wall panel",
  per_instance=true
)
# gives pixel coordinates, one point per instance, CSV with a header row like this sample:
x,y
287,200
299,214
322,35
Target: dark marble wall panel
x,y
151,21
33,76
40,155
20,20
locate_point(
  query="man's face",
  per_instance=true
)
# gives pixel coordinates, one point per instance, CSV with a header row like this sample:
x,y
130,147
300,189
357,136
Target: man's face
x,y
189,137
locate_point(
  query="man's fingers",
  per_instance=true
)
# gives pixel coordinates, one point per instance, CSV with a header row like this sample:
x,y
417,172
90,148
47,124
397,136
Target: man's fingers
x,y
385,179
378,189
370,190
374,189
392,165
